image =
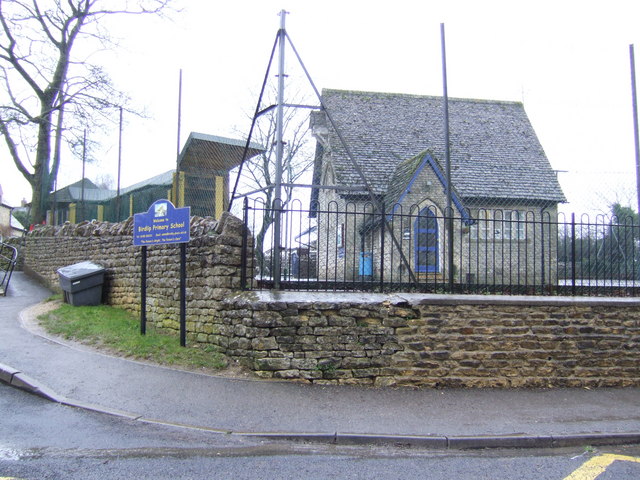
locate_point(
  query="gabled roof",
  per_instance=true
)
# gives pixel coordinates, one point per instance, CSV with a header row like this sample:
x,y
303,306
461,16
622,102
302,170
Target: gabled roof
x,y
495,153
73,193
92,193
406,174
403,181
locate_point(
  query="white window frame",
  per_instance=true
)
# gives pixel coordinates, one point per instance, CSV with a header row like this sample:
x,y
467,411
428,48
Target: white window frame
x,y
480,229
514,222
489,225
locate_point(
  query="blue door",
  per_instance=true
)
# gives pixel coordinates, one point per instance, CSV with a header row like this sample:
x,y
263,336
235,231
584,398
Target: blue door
x,y
426,241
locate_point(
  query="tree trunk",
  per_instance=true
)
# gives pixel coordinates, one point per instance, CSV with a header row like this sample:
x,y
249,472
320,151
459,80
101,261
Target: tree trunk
x,y
42,179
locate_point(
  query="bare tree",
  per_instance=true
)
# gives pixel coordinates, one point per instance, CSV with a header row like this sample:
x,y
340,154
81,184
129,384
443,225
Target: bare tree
x,y
50,94
259,172
105,181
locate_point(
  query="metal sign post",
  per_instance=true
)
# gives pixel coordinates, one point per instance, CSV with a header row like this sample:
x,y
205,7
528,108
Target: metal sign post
x,y
143,293
183,294
163,224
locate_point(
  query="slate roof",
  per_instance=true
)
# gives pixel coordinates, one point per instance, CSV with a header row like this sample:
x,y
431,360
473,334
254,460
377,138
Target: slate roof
x,y
495,153
401,179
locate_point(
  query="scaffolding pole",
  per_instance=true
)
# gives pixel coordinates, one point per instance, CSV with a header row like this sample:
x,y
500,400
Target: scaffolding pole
x,y
277,201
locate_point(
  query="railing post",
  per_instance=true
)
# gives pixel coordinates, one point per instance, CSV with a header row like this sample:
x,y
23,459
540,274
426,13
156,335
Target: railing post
x,y
8,257
543,272
382,232
243,251
573,254
634,273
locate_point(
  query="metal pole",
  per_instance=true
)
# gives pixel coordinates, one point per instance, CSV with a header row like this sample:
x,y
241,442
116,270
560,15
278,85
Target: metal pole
x,y
179,110
117,219
177,196
253,123
447,154
143,292
277,201
573,254
383,232
635,121
543,272
183,294
84,161
243,253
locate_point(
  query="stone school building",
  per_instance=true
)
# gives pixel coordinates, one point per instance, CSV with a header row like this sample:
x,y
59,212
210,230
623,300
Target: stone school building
x,y
504,191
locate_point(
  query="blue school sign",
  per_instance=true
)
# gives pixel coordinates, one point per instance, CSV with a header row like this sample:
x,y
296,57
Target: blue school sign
x,y
161,224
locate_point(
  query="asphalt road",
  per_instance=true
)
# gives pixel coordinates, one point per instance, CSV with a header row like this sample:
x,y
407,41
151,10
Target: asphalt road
x,y
44,440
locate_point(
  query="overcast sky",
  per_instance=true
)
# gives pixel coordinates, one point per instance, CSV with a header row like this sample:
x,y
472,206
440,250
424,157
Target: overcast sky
x,y
567,60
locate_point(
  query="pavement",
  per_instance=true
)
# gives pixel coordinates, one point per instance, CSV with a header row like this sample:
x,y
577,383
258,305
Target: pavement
x,y
429,418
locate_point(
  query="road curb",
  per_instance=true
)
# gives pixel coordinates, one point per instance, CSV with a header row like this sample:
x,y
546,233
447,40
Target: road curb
x,y
18,379
458,442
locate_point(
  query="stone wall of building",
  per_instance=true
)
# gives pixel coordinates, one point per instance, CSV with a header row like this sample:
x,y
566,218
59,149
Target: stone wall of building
x,y
354,338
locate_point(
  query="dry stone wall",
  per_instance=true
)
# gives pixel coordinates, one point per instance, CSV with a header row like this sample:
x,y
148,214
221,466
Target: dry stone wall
x,y
354,338
213,264
433,340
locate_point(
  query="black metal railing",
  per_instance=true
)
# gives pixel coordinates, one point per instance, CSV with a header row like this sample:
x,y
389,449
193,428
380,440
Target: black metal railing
x,y
8,258
353,247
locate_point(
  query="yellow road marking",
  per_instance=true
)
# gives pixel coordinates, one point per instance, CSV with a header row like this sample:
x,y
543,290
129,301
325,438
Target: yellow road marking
x,y
597,465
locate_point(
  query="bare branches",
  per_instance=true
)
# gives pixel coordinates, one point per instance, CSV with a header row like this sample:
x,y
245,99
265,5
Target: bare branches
x,y
40,74
13,151
16,111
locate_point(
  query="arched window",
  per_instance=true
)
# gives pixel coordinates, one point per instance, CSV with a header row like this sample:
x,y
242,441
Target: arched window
x,y
426,246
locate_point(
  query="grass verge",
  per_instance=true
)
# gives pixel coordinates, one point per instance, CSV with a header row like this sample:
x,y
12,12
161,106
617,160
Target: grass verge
x,y
118,331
